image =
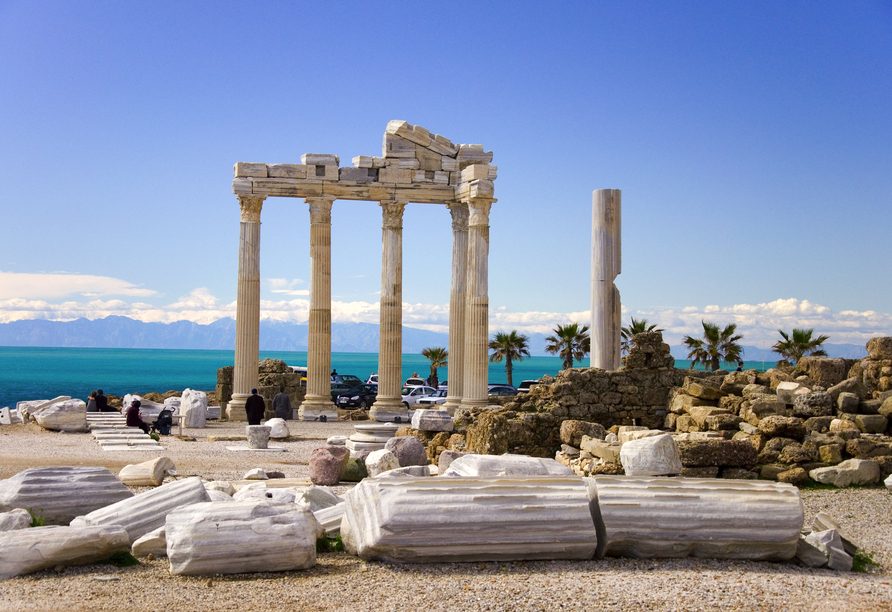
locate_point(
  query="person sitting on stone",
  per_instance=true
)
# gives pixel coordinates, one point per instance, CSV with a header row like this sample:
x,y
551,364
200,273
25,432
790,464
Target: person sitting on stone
x,y
91,402
255,408
134,419
102,402
282,405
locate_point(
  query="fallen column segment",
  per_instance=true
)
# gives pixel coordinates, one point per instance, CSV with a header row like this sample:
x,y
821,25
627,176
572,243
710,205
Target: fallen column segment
x,y
30,550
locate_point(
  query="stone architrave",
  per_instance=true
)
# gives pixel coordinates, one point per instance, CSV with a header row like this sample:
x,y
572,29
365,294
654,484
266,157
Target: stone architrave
x,y
317,402
390,350
247,313
457,306
475,392
606,265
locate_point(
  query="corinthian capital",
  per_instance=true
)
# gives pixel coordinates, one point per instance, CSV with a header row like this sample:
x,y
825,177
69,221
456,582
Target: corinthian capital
x,y
320,209
251,206
393,214
459,212
479,211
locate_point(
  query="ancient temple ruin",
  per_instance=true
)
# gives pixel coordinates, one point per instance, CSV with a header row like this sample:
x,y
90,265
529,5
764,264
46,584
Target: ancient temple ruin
x,y
415,167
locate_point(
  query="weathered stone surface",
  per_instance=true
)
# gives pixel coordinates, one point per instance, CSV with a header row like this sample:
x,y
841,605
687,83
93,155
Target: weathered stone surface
x,y
469,519
756,389
723,422
572,431
354,470
717,452
823,371
847,402
853,471
258,436
432,420
700,472
813,404
146,512
843,425
63,415
59,494
885,408
879,348
220,485
830,453
759,407
506,466
146,474
380,461
823,522
318,497
278,429
782,426
194,408
407,450
829,543
726,519
652,456
627,434
888,483
25,551
738,474
809,554
849,385
412,471
795,453
701,413
327,464
240,537
788,391
15,519
818,424
682,403
794,476
446,458
871,423
868,406
255,474
702,389
266,494
153,543
330,518
218,496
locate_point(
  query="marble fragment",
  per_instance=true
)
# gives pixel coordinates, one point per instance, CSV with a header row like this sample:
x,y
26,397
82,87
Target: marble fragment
x,y
852,471
330,518
255,474
432,420
408,450
258,436
148,473
25,551
65,415
220,485
15,519
829,543
380,461
507,466
278,429
194,408
651,456
318,497
153,543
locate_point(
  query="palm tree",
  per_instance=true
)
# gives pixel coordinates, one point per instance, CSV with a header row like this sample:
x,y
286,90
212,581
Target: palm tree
x,y
637,327
570,343
437,356
717,345
509,346
800,344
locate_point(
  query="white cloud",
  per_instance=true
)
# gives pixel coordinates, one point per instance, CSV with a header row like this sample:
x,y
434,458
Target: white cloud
x,y
287,287
56,285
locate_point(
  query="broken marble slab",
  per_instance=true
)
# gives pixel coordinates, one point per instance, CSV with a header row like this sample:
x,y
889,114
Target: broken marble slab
x,y
153,543
380,461
147,511
645,518
59,494
318,497
888,483
830,544
15,519
651,456
66,415
507,466
823,522
421,520
149,473
194,408
432,420
330,518
25,551
240,537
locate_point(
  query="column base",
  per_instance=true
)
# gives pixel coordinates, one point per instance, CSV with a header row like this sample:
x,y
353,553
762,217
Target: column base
x,y
452,404
235,409
314,407
390,410
470,403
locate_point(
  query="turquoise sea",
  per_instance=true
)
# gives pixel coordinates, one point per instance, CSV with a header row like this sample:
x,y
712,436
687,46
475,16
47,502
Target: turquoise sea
x,y
28,373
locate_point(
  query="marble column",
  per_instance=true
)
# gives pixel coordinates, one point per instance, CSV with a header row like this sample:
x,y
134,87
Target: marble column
x,y
457,305
388,406
247,312
317,402
476,357
606,265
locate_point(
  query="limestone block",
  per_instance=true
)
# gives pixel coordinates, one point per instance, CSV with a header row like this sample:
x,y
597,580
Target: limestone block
x,y
651,456
194,407
25,551
608,451
395,146
420,176
413,133
258,435
701,389
700,413
327,464
249,169
296,171
367,161
320,159
153,543
506,466
408,450
572,432
847,402
868,406
15,519
432,420
813,404
380,461
443,146
843,425
65,415
830,544
849,385
879,348
146,512
885,408
358,174
278,428
402,163
450,165
469,519
782,426
441,178
475,172
428,160
240,537
395,175
830,453
682,403
755,389
787,391
871,423
59,494
146,474
469,154
323,172
717,452
718,518
628,436
853,471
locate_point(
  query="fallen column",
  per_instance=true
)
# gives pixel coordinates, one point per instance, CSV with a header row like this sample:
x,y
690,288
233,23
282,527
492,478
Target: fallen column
x,y
420,520
25,551
644,518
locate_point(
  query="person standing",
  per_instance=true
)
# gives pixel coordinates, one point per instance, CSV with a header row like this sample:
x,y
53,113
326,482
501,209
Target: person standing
x,y
282,406
255,407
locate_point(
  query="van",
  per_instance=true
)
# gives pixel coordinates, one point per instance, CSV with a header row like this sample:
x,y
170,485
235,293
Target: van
x,y
526,385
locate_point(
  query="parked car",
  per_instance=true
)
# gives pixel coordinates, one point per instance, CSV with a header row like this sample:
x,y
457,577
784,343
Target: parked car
x,y
438,397
373,379
413,381
360,396
502,391
338,388
413,394
347,379
444,384
526,385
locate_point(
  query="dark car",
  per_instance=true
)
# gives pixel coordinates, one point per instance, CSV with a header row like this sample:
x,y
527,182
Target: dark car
x,y
360,396
338,388
502,391
347,379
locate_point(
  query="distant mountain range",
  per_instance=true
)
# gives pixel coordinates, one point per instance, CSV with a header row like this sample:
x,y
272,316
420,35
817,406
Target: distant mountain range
x,y
123,332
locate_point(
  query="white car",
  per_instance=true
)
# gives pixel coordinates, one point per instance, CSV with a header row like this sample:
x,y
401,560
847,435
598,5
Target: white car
x,y
415,381
439,397
412,394
373,380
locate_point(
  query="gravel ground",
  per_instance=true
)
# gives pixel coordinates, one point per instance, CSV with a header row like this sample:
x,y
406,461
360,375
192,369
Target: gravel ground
x,y
342,582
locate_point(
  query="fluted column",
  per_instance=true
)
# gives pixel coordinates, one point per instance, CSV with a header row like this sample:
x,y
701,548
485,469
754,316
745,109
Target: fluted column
x,y
476,358
457,305
606,265
390,344
318,399
247,312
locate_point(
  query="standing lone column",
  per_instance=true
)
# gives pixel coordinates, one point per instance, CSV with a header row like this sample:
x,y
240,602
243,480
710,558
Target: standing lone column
x,y
390,344
606,265
247,311
457,305
317,402
476,362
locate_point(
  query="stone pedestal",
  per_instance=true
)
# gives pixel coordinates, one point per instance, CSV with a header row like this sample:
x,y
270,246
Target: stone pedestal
x,y
457,306
476,357
258,435
606,265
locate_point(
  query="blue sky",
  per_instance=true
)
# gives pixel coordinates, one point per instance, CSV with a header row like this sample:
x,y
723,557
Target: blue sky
x,y
751,142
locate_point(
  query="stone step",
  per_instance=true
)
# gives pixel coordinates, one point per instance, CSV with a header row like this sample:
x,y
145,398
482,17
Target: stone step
x,y
124,447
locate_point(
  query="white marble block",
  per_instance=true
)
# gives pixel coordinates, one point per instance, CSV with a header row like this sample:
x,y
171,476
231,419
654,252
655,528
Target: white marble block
x,y
25,551
147,511
59,494
508,466
66,415
194,408
432,420
258,436
724,519
651,456
240,537
330,518
380,461
888,483
469,519
278,428
173,404
15,519
153,543
146,474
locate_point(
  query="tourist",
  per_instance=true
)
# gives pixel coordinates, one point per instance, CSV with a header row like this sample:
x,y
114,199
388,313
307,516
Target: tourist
x,y
101,402
282,406
334,375
255,407
134,419
91,402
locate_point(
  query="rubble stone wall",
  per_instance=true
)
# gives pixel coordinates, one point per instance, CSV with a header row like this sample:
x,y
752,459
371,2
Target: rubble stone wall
x,y
274,376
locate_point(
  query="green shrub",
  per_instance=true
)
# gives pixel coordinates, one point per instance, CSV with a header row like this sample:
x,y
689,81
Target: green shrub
x,y
37,519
